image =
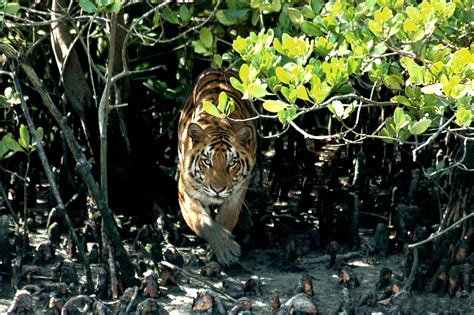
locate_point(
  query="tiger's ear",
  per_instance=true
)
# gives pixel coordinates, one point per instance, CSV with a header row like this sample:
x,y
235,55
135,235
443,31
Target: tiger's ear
x,y
244,135
196,132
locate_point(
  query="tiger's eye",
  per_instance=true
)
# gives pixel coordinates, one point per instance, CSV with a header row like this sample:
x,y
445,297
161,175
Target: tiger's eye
x,y
206,162
232,163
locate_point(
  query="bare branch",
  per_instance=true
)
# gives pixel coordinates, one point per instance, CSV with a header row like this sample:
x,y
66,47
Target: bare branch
x,y
453,226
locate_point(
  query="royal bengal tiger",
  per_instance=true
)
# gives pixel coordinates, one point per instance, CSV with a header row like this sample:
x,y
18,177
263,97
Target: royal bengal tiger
x,y
216,157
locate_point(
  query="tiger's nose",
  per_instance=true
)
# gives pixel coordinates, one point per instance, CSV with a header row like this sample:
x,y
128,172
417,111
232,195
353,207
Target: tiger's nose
x,y
218,189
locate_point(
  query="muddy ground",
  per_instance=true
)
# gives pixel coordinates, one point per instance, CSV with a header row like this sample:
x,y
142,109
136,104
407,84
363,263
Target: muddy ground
x,y
275,279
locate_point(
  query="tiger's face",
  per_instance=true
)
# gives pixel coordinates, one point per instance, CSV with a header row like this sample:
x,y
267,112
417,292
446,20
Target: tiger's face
x,y
219,164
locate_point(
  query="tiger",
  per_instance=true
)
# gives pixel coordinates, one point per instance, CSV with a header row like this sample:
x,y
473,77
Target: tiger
x,y
216,157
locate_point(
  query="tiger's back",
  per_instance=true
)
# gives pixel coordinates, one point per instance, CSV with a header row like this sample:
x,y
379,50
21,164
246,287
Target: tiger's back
x,y
216,157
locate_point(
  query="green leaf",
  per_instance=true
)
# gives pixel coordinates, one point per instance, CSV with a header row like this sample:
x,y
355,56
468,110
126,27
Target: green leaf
x,y
211,109
244,73
399,117
236,84
257,90
184,13
274,106
311,29
222,101
205,36
10,8
114,6
383,15
11,144
416,72
307,12
401,99
199,48
394,81
217,60
463,117
170,16
287,115
296,17
301,93
3,150
375,28
282,75
231,16
88,6
240,44
316,5
410,26
39,132
24,140
419,127
380,49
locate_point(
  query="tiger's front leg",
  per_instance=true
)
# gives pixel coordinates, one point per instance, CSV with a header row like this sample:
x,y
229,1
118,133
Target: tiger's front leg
x,y
229,211
219,238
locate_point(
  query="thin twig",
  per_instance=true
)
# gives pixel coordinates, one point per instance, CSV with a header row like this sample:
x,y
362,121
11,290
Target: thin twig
x,y
424,144
196,277
441,233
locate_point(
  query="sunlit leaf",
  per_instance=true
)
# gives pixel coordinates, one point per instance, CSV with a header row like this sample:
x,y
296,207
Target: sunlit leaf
x,y
211,109
239,44
399,117
301,93
295,16
463,117
436,89
24,139
282,75
410,26
274,106
205,36
222,101
244,73
257,90
419,127
337,108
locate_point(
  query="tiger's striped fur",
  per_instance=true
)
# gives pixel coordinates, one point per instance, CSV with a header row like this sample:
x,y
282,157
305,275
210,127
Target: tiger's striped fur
x,y
216,157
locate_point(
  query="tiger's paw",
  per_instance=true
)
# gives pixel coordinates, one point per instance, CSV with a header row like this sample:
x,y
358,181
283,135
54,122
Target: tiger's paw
x,y
227,251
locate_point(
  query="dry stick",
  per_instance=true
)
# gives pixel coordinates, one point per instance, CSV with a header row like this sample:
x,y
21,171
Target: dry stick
x,y
52,181
131,304
195,277
83,166
8,204
113,274
437,235
414,266
326,258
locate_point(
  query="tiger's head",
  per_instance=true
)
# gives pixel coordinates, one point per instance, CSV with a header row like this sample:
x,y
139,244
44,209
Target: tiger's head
x,y
220,162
